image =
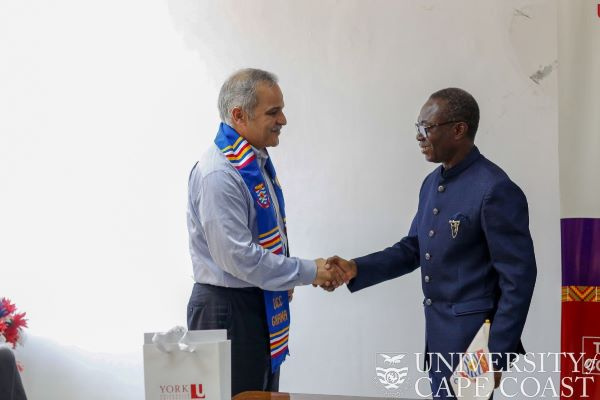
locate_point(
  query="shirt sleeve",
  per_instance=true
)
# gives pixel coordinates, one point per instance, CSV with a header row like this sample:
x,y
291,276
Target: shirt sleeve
x,y
505,221
395,261
223,205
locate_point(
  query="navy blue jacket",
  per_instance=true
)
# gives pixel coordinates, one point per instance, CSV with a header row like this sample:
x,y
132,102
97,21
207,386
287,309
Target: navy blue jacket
x,y
486,271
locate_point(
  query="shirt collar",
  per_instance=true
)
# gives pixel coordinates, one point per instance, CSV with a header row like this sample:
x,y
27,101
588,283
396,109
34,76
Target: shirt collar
x,y
473,156
261,155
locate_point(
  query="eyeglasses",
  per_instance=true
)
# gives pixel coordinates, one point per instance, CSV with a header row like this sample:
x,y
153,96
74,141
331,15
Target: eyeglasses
x,y
424,129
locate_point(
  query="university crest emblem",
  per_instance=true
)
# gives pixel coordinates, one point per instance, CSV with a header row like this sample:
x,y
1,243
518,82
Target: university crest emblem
x,y
262,197
392,377
474,364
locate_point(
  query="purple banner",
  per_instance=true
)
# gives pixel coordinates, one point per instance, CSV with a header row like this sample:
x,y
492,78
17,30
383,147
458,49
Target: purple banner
x,y
580,239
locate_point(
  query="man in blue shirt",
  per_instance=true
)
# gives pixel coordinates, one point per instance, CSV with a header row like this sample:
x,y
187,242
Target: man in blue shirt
x,y
237,234
470,237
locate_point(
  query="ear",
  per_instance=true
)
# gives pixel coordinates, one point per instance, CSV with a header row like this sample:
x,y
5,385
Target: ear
x,y
460,130
238,116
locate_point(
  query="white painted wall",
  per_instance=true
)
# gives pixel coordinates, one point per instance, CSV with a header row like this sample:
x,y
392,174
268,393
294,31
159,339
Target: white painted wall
x,y
579,139
105,106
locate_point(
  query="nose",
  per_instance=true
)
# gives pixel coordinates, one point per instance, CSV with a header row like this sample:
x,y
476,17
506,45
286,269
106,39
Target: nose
x,y
282,120
420,137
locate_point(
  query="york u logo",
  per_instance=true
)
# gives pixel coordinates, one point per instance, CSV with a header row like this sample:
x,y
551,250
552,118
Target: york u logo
x,y
175,391
196,391
598,10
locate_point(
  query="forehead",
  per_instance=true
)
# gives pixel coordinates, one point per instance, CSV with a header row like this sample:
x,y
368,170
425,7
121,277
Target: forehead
x,y
269,95
432,110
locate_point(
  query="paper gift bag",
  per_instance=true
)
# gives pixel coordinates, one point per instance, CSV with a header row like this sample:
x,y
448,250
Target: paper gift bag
x,y
473,378
180,365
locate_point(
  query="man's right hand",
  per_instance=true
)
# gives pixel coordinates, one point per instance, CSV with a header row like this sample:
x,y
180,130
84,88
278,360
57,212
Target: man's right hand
x,y
327,276
346,268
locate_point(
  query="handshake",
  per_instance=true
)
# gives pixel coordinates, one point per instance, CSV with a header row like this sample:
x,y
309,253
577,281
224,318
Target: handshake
x,y
334,272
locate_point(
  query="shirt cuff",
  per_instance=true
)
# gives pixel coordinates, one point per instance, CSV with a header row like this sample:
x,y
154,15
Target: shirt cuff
x,y
307,271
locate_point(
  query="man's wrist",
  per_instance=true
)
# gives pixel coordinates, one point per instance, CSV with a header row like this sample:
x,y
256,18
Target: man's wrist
x,y
354,268
307,271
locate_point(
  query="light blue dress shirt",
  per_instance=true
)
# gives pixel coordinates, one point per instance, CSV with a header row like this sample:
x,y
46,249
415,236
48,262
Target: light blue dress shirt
x,y
223,231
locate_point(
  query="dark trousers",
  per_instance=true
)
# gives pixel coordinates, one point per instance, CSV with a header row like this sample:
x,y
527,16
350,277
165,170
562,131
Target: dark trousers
x,y
242,312
10,380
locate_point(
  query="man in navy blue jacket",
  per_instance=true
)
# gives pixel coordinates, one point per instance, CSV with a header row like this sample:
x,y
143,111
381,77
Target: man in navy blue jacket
x,y
470,237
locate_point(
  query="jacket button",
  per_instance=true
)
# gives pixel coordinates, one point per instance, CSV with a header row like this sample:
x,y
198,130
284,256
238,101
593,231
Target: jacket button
x,y
426,278
427,302
431,233
441,188
427,256
435,211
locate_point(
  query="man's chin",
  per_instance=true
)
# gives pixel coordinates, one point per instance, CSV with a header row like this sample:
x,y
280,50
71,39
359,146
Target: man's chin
x,y
430,158
274,142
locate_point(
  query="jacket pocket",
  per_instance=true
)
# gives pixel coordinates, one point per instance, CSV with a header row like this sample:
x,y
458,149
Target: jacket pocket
x,y
473,306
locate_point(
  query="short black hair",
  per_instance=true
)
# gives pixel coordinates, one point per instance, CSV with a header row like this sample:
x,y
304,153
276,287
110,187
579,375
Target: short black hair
x,y
460,106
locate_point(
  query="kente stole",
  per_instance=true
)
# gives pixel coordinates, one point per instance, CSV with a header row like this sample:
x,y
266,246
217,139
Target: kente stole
x,y
240,154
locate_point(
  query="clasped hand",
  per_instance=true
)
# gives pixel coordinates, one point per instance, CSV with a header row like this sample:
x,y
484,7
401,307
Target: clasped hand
x,y
334,272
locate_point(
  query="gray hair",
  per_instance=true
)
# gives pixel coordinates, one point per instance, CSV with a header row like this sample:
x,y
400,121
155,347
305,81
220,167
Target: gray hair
x,y
239,90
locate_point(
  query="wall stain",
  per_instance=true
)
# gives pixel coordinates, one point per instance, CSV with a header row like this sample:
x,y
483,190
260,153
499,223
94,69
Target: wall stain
x,y
519,13
542,73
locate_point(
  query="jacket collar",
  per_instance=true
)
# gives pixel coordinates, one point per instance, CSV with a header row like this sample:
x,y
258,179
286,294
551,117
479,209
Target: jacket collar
x,y
473,156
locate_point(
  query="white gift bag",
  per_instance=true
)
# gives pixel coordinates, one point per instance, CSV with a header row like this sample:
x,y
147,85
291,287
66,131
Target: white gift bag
x,y
180,365
473,377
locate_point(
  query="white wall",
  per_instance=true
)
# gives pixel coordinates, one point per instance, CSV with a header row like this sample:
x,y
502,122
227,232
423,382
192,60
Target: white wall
x,y
579,139
105,106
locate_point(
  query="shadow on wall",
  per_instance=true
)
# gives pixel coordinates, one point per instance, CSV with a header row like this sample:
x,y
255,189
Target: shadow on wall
x,y
54,371
227,32
190,20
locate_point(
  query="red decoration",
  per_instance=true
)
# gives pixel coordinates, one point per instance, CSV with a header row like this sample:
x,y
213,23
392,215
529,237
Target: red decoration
x,y
11,323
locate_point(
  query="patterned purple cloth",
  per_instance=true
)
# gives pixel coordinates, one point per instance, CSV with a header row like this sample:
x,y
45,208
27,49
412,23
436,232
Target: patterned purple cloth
x,y
580,257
